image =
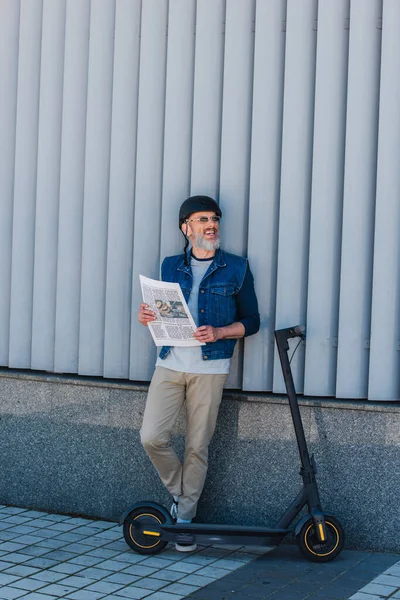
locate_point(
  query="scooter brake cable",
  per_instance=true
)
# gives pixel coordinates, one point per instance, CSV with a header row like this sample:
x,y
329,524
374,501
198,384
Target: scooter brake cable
x,y
298,344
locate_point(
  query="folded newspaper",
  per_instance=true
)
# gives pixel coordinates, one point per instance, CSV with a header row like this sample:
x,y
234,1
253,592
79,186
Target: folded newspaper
x,y
174,324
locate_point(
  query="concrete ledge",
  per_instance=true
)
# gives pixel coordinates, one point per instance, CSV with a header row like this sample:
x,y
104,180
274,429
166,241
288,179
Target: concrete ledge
x,y
71,445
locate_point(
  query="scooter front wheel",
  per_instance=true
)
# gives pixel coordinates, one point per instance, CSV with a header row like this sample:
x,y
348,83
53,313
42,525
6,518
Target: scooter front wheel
x,y
315,550
144,516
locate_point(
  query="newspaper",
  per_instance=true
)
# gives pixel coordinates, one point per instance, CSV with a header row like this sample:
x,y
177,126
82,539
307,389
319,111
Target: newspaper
x,y
174,324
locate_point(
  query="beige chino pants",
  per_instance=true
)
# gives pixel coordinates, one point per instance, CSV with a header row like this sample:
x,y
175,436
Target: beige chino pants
x,y
167,393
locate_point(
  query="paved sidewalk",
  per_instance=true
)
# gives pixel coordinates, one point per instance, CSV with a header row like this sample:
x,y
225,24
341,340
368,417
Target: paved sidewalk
x,y
45,556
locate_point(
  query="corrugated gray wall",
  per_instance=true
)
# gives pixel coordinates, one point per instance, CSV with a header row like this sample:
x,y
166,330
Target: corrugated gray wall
x,y
113,111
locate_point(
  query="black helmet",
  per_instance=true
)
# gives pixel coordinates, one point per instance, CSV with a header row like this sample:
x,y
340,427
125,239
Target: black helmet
x,y
197,204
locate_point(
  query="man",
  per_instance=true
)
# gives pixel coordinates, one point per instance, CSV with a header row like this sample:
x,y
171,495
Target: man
x,y
219,290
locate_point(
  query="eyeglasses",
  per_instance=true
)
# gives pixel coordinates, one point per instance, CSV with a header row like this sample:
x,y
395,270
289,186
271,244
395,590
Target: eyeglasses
x,y
214,219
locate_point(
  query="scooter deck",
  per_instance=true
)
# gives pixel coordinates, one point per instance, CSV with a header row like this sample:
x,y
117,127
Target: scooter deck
x,y
216,534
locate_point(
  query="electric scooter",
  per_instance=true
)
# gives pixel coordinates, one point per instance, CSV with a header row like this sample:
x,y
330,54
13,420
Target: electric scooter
x,y
148,526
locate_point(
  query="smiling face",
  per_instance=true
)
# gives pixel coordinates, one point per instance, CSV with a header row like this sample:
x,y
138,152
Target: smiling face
x,y
203,235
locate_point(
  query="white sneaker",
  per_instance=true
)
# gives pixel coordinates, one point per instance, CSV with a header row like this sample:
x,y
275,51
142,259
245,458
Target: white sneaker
x,y
185,547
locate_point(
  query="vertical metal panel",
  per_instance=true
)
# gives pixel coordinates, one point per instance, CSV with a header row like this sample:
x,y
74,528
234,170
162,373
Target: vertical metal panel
x,y
48,185
269,56
149,163
236,136
296,175
178,120
25,184
384,372
9,39
359,199
236,120
207,97
71,185
326,199
122,181
97,181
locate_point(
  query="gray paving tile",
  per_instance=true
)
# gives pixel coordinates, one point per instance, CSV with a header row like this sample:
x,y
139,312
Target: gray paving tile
x,y
103,552
49,576
112,565
213,572
17,557
6,535
183,567
105,587
149,583
160,563
164,596
28,540
47,533
21,570
71,537
39,523
22,529
166,575
38,596
135,593
200,559
35,550
122,578
76,581
67,567
77,548
228,564
117,545
84,560
84,595
58,590
379,589
41,562
180,589
139,570
29,584
34,514
55,517
197,580
94,573
79,521
392,580
12,510
10,593
11,547
60,555
130,558
7,579
51,544
64,526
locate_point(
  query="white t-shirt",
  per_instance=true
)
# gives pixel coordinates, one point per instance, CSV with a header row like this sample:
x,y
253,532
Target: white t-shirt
x,y
190,360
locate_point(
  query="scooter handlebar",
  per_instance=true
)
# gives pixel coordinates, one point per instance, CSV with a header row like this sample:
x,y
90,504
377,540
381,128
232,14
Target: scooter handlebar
x,y
299,329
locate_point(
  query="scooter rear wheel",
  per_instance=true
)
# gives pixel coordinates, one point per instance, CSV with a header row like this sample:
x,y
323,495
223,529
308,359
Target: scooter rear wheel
x,y
135,538
315,550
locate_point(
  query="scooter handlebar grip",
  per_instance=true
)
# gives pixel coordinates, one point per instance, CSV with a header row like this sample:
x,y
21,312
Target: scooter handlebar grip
x,y
299,329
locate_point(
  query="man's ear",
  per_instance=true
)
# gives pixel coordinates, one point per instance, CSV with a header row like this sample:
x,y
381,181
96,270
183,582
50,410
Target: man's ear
x,y
186,228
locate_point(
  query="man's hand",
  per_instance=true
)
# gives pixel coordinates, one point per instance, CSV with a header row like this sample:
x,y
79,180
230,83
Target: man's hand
x,y
207,333
146,315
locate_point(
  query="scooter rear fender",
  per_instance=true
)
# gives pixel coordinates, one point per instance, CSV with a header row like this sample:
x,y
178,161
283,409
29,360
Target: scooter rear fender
x,y
143,504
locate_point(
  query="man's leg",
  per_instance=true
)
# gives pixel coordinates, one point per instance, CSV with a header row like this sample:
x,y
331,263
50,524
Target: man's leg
x,y
164,401
203,397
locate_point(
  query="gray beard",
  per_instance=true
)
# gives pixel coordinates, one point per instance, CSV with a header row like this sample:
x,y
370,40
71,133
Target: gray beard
x,y
201,242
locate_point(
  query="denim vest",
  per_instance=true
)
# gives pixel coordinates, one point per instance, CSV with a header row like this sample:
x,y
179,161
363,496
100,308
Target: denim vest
x,y
217,303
